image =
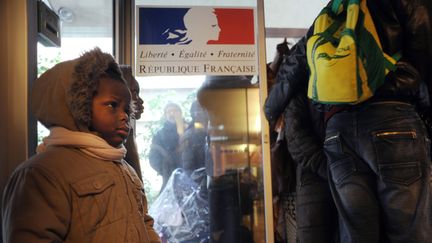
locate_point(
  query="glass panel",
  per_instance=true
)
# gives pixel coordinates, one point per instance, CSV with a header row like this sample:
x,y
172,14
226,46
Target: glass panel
x,y
82,28
200,151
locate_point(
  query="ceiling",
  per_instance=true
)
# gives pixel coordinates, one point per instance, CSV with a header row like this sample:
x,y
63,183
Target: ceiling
x,y
84,18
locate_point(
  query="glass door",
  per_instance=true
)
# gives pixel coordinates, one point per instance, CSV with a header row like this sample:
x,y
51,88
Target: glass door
x,y
84,26
200,137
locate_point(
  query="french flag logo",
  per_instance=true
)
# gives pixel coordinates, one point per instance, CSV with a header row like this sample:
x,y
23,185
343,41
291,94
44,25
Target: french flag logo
x,y
196,26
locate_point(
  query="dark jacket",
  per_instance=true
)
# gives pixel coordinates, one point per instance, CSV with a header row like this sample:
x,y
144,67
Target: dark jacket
x,y
164,156
304,129
193,143
402,25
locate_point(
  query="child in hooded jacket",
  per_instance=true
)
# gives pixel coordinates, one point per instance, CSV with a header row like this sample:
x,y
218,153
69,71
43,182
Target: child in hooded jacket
x,y
78,188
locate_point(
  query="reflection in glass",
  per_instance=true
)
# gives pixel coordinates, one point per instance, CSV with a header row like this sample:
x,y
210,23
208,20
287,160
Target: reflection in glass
x,y
215,194
215,191
233,148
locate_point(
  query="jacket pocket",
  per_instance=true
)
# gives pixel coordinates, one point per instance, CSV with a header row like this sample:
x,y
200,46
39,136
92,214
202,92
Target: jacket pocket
x,y
93,200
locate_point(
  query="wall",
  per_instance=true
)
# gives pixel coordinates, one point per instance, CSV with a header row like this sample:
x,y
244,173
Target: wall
x,y
13,86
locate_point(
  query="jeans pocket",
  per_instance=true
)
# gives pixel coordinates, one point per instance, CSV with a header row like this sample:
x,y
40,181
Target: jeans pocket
x,y
340,163
400,173
399,155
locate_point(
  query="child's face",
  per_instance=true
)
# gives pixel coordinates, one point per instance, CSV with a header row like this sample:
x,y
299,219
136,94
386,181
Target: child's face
x,y
110,111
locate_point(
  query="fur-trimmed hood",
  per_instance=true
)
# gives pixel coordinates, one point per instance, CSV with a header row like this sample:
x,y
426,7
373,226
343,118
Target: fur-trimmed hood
x,y
62,96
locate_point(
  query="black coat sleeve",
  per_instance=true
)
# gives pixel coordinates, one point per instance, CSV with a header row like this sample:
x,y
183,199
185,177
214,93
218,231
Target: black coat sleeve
x,y
292,73
304,132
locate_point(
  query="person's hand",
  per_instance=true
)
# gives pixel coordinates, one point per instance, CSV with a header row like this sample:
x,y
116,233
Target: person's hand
x,y
280,124
283,48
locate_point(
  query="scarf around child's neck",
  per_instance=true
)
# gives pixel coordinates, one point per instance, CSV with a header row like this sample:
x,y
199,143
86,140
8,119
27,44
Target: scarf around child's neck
x,y
88,143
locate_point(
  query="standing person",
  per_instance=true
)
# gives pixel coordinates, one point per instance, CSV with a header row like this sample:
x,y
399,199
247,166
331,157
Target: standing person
x,y
164,153
78,188
378,151
316,214
132,156
192,143
303,128
282,165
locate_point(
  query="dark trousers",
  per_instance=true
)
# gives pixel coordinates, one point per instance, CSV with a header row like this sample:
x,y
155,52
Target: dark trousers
x,y
317,220
379,162
228,202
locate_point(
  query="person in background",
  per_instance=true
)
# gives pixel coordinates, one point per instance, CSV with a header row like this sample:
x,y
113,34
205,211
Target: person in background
x,y
78,188
132,156
378,151
231,187
192,143
282,49
282,164
164,153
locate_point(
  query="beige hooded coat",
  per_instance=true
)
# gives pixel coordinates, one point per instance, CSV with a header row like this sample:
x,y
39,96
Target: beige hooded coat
x,y
65,195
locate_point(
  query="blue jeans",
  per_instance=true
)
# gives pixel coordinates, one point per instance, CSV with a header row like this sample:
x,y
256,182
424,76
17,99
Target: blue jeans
x,y
315,211
379,165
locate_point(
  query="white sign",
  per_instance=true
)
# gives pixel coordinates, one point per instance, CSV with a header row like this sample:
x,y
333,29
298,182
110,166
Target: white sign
x,y
196,41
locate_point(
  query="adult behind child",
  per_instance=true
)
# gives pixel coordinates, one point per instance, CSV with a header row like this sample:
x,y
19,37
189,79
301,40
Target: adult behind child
x,y
193,141
164,153
378,151
78,188
132,156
